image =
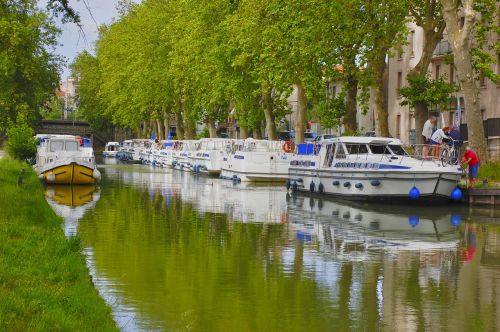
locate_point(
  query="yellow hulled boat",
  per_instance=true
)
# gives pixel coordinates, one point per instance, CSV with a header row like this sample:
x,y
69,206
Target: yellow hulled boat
x,y
66,160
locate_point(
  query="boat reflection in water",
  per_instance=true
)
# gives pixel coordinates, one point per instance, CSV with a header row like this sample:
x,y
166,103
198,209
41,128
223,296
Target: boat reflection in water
x,y
71,203
350,230
243,202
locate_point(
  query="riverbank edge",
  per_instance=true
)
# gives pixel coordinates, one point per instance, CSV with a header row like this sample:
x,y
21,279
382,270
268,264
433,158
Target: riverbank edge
x,y
44,279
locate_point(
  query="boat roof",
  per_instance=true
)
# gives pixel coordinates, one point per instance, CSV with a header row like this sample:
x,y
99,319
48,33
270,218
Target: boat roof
x,y
112,143
364,140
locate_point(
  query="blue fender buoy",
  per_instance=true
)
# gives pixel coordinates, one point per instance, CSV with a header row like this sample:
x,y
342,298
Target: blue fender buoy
x,y
413,221
347,184
321,188
455,219
336,183
359,185
456,194
312,187
375,183
414,193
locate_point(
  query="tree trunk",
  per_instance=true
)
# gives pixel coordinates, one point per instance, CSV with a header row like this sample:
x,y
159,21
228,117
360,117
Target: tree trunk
x,y
350,123
159,125
432,35
179,123
243,132
212,131
189,128
300,119
257,131
267,106
381,113
460,39
421,115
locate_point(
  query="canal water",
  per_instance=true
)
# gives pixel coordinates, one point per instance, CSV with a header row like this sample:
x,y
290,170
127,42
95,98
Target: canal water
x,y
170,251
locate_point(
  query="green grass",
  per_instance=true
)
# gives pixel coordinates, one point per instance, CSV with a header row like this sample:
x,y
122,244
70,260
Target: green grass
x,y
491,171
44,281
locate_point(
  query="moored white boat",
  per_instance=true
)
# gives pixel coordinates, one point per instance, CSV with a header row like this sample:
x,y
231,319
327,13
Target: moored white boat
x,y
182,152
131,150
66,159
254,160
163,156
371,168
111,149
210,154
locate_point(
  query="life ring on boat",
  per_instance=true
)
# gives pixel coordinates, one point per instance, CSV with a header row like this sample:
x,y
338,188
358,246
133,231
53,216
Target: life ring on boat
x,y
288,146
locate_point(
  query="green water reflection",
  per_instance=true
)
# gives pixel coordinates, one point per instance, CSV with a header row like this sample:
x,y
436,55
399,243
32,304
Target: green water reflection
x,y
174,252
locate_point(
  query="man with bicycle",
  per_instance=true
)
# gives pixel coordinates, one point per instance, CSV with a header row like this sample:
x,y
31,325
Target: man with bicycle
x,y
472,160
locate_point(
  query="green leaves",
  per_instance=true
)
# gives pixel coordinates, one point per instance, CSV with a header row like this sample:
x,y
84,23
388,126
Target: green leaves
x,y
28,68
426,91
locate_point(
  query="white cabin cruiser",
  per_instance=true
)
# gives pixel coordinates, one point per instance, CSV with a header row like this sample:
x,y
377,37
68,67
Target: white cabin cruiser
x,y
254,160
182,153
163,156
209,157
148,153
111,149
131,150
371,168
66,159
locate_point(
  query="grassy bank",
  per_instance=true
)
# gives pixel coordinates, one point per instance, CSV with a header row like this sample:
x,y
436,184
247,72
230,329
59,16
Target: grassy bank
x,y
44,282
491,171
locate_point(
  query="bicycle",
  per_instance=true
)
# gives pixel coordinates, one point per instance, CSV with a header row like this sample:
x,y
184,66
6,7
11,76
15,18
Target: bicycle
x,y
450,154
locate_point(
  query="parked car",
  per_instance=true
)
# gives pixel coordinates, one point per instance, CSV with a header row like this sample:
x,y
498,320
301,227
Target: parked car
x,y
323,137
309,136
370,134
286,136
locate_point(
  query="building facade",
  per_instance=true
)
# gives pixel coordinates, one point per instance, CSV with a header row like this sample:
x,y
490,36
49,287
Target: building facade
x,y
401,119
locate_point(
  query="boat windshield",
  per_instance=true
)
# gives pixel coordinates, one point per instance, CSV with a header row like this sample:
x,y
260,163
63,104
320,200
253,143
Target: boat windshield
x,y
398,150
61,145
379,149
71,146
56,146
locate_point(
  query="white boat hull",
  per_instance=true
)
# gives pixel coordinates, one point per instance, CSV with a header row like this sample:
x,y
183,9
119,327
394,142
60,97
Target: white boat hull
x,y
375,185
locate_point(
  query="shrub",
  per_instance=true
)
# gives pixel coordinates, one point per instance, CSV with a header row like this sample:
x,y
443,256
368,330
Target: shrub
x,y
21,144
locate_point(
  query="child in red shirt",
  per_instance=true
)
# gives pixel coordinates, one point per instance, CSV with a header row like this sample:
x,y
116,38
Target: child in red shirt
x,y
472,160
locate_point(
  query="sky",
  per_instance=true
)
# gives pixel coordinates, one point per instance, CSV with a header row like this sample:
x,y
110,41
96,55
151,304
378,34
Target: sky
x,y
70,44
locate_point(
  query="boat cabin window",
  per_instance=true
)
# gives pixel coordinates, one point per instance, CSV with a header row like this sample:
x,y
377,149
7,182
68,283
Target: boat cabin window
x,y
56,146
379,149
71,146
357,148
340,154
397,150
330,153
63,145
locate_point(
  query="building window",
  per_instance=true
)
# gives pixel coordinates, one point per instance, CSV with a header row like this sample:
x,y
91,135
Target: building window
x,y
438,69
334,91
412,43
400,80
452,74
400,52
452,118
398,126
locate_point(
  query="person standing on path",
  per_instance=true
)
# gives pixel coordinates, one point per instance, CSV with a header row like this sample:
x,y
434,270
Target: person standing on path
x,y
427,132
472,160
